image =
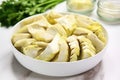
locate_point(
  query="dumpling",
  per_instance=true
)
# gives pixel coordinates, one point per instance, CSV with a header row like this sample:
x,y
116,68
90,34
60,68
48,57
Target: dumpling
x,y
97,29
24,42
87,48
73,57
86,53
31,50
83,21
33,19
51,16
51,31
42,23
23,29
100,34
51,50
63,54
40,43
92,48
18,36
40,34
74,48
68,22
58,29
99,45
81,31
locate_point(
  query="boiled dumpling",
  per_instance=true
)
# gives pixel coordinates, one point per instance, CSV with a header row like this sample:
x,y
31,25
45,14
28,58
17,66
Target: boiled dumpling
x,y
86,53
37,24
74,48
19,36
31,20
68,22
83,21
51,31
100,34
40,34
94,26
51,50
40,43
87,48
23,29
81,31
41,23
73,57
99,45
97,29
51,16
57,28
63,54
31,50
24,42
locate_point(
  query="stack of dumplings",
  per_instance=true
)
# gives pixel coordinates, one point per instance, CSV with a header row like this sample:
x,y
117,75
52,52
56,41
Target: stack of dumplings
x,y
58,37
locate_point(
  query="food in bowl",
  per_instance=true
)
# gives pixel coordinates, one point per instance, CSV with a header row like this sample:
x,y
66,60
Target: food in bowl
x,y
59,37
59,68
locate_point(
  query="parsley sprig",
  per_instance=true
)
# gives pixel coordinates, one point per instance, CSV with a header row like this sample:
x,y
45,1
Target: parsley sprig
x,y
12,11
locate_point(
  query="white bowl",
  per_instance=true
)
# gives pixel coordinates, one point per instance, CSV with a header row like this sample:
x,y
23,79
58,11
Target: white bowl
x,y
56,68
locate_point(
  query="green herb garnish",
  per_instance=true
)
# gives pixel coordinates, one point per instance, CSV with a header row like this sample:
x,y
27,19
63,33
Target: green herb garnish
x,y
12,11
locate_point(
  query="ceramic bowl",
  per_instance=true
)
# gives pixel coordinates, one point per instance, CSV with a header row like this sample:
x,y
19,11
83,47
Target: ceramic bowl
x,y
56,68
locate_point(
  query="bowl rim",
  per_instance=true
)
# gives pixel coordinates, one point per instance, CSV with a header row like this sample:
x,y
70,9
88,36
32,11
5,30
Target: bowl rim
x,y
18,23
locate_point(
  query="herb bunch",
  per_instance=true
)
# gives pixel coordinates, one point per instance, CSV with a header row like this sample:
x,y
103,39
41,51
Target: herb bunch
x,y
12,11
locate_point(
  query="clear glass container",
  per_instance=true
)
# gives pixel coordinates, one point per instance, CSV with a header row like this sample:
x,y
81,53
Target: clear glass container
x,y
80,6
109,10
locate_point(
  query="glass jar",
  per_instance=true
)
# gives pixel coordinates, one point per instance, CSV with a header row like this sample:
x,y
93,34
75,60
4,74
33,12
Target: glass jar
x,y
80,6
109,10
